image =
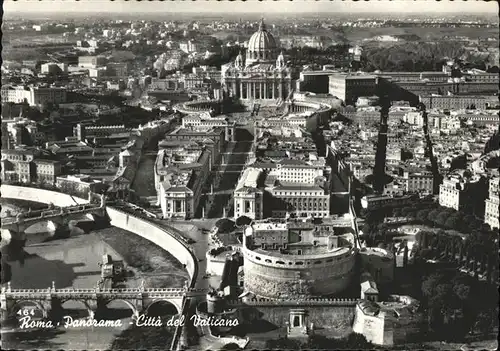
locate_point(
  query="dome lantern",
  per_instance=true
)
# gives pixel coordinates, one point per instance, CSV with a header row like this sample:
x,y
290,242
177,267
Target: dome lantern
x,y
262,25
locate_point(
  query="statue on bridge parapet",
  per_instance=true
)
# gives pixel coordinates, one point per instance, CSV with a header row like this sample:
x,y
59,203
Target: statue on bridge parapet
x,y
99,285
20,217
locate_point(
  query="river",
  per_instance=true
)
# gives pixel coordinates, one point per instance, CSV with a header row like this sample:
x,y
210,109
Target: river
x,y
68,262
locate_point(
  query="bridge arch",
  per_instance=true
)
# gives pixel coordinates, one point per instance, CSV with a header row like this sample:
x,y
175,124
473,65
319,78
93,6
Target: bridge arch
x,y
129,304
87,306
45,225
176,304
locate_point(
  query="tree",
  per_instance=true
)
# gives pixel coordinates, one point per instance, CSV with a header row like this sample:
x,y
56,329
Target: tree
x,y
454,222
422,215
396,212
243,220
225,225
441,218
471,222
405,211
367,228
437,292
432,215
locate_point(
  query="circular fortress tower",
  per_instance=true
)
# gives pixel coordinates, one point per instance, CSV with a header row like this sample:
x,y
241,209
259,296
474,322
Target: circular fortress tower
x,y
298,259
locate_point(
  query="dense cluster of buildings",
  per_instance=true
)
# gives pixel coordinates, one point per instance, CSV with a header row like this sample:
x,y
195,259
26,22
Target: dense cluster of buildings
x,y
95,157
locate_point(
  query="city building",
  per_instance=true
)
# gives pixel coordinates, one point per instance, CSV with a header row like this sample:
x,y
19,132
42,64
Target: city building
x,y
15,94
173,83
18,165
189,46
47,170
348,87
70,145
287,188
28,165
53,68
417,181
457,190
262,74
179,179
204,121
248,198
460,102
214,137
79,184
491,205
110,134
315,81
91,61
42,95
183,164
117,69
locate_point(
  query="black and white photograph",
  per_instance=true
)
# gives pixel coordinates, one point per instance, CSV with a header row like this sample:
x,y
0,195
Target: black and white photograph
x,y
250,175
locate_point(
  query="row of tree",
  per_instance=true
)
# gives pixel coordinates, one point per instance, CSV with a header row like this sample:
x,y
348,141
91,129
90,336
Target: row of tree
x,y
477,253
447,218
411,57
334,54
428,213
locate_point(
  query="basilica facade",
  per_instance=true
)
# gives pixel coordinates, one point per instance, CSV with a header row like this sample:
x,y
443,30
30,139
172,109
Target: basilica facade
x,y
260,74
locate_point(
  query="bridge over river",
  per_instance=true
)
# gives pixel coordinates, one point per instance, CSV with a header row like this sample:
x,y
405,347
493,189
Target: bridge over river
x,y
56,218
50,300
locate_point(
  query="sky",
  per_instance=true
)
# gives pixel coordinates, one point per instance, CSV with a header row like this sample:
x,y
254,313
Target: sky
x,y
250,6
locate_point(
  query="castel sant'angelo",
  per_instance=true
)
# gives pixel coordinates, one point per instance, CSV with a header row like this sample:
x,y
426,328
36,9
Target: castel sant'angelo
x,y
301,258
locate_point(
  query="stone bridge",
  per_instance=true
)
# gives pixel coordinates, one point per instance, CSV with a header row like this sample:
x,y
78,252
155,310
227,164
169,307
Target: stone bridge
x,y
49,301
56,218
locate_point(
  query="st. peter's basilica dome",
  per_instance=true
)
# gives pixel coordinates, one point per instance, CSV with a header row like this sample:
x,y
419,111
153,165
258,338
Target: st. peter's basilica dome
x,y
261,46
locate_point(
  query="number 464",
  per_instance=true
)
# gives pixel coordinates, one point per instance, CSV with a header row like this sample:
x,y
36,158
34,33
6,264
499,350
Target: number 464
x,y
26,312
